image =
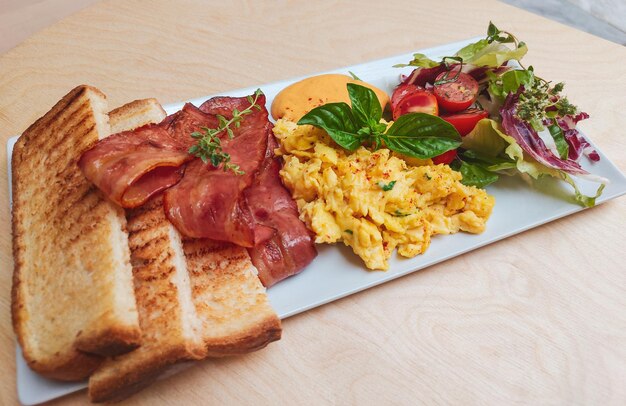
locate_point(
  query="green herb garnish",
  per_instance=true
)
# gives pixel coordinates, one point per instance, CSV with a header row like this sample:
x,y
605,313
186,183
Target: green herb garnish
x,y
539,101
355,77
474,174
209,146
418,135
387,186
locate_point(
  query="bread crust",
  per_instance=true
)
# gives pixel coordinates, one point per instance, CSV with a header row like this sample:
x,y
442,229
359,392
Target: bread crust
x,y
113,384
256,337
47,150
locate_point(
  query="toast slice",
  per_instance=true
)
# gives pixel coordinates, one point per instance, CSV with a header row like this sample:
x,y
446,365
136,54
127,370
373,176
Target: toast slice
x,y
72,283
233,307
135,114
196,298
169,323
167,316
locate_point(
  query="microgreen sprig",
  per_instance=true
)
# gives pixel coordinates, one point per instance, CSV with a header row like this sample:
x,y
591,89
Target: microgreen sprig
x,y
209,145
446,76
503,37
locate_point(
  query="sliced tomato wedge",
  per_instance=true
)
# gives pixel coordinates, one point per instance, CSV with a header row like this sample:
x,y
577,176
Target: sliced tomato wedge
x,y
445,158
414,100
456,92
465,121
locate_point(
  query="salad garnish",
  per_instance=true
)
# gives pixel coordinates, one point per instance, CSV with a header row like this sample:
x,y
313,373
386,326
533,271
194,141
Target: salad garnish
x,y
528,126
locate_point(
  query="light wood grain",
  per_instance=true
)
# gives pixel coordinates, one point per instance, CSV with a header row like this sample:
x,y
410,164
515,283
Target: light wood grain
x,y
19,19
539,318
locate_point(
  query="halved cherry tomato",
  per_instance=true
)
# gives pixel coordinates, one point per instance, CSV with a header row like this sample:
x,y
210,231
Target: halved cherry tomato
x,y
401,91
416,101
445,158
465,121
456,95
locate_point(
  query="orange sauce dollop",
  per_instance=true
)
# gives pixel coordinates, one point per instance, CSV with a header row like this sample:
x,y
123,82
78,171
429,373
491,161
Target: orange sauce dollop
x,y
297,99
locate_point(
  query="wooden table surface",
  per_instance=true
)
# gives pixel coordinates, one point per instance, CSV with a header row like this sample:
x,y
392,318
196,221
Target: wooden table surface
x,y
539,318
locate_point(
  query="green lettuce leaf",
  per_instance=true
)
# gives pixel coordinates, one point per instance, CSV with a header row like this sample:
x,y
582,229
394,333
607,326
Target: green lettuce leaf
x,y
481,139
419,60
487,137
494,54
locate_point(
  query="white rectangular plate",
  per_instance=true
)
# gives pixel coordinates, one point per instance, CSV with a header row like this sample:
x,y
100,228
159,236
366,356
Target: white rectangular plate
x,y
336,272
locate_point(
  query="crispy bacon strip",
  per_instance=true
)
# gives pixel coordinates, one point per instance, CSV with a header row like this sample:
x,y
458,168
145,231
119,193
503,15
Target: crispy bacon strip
x,y
132,166
291,247
208,202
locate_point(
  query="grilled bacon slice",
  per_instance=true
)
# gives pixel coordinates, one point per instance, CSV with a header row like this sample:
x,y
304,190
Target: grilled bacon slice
x,y
253,209
291,246
131,166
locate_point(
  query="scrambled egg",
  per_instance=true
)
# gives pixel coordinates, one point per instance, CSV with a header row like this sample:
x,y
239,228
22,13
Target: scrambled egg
x,y
376,201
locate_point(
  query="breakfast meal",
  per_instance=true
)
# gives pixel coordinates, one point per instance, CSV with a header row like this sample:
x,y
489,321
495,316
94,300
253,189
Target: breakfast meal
x,y
144,240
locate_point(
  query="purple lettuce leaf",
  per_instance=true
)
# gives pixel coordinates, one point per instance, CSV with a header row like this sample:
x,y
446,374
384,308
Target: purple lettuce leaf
x,y
422,76
529,140
578,145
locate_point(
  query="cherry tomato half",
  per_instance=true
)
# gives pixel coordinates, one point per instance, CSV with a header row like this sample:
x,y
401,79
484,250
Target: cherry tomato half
x,y
456,95
445,158
401,91
465,121
416,101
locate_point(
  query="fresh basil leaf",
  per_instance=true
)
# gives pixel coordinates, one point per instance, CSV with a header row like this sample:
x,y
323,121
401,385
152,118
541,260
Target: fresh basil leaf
x,y
559,140
338,121
421,135
365,105
476,175
419,60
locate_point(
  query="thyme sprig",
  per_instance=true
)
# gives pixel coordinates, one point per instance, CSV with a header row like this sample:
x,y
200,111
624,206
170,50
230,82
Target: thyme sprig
x,y
209,145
